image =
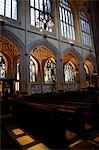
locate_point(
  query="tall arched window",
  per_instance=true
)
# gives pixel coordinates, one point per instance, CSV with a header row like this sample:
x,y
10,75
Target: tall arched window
x,y
49,71
2,68
69,72
32,70
85,27
66,20
41,12
8,8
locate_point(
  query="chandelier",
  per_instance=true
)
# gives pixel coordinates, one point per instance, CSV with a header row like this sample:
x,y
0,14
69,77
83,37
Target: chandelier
x,y
44,21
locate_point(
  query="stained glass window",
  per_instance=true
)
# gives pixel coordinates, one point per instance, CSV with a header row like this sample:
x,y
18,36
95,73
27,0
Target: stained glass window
x,y
2,7
41,13
17,77
18,72
32,71
49,71
8,8
85,27
66,20
2,68
69,72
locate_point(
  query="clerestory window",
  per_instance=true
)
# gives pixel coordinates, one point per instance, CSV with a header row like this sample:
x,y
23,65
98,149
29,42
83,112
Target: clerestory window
x,y
85,27
66,20
8,8
41,14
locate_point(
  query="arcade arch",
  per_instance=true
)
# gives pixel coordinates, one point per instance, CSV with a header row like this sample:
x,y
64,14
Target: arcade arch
x,y
89,69
70,68
9,55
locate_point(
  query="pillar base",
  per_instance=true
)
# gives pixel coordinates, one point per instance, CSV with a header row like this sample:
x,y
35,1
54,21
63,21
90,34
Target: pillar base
x,y
83,86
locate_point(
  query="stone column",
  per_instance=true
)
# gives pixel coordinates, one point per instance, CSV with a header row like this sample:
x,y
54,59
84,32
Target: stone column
x,y
24,73
82,76
40,73
24,58
40,78
59,75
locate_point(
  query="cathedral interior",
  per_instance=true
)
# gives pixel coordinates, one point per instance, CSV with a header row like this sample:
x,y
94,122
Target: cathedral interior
x,y
49,74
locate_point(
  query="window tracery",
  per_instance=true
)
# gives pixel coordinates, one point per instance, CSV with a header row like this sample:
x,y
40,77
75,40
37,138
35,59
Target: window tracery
x,y
49,71
69,72
8,8
41,13
85,27
32,71
17,86
66,20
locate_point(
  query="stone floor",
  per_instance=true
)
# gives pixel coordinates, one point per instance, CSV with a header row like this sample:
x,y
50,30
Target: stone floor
x,y
14,137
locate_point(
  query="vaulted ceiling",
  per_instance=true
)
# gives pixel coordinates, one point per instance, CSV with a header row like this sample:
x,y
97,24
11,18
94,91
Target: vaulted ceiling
x,y
7,47
41,53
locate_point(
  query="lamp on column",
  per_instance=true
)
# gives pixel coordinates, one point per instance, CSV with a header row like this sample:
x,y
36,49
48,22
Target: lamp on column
x,y
44,21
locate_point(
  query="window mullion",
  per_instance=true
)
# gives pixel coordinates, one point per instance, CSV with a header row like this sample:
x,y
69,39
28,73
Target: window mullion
x,y
85,29
4,7
68,21
68,25
11,9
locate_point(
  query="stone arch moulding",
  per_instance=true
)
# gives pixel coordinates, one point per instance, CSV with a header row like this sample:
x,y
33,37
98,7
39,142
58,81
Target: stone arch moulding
x,y
92,58
11,37
18,43
73,51
47,44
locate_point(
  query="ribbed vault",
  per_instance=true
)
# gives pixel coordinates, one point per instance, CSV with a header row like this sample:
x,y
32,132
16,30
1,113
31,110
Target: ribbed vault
x,y
7,47
41,53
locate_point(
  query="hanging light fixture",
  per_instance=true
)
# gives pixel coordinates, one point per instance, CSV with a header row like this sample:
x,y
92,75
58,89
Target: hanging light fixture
x,y
44,21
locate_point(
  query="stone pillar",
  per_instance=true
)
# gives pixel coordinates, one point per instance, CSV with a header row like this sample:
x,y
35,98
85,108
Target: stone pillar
x,y
40,73
24,76
59,75
82,76
12,69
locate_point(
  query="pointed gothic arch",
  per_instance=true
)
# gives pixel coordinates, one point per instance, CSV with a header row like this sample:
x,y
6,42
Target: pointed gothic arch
x,y
74,52
47,44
